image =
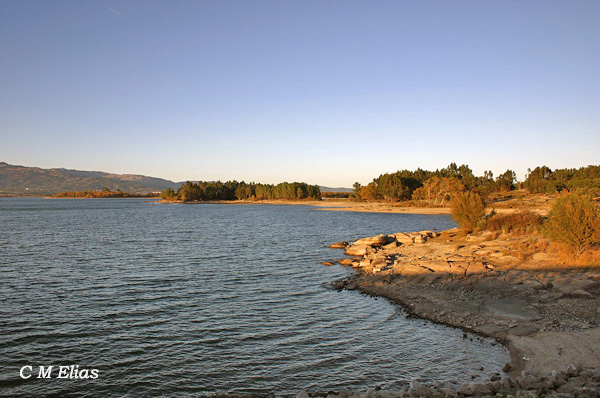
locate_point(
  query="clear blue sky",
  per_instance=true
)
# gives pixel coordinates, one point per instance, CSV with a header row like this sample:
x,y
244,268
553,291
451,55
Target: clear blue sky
x,y
324,91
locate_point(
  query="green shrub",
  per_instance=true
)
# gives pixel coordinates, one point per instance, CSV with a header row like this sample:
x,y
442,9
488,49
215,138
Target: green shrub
x,y
467,209
523,221
574,220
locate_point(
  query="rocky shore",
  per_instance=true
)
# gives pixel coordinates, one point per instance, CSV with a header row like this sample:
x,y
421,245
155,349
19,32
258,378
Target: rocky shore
x,y
547,314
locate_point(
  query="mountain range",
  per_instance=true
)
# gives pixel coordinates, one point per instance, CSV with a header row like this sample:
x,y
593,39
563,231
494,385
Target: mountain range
x,y
20,180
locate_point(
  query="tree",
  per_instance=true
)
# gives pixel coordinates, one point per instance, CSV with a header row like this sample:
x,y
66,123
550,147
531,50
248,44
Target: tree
x,y
436,190
506,180
168,194
190,191
537,179
574,220
467,209
356,192
369,192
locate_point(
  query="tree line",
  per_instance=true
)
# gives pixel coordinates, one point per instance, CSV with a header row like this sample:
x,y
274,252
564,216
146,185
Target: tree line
x,y
434,187
437,187
544,180
232,190
103,194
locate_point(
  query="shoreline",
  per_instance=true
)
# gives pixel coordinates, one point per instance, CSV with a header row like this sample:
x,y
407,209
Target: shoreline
x,y
547,315
331,205
336,204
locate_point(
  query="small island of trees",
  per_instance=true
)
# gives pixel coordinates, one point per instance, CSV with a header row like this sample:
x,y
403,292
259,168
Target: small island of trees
x,y
105,193
233,190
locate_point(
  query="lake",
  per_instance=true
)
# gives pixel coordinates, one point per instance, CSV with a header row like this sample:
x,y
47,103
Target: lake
x,y
204,299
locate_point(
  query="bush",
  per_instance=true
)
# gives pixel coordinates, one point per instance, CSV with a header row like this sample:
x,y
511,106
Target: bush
x,y
467,209
574,220
523,221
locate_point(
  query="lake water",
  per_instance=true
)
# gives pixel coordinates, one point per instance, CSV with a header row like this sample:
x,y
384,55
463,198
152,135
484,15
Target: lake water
x,y
205,299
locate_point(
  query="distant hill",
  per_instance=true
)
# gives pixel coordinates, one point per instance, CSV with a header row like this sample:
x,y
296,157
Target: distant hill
x,y
328,189
19,180
36,181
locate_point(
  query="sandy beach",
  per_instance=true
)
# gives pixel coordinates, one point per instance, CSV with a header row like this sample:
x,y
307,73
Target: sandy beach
x,y
379,207
338,205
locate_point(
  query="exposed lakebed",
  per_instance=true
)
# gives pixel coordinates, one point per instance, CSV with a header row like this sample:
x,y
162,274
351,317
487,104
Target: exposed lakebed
x,y
208,298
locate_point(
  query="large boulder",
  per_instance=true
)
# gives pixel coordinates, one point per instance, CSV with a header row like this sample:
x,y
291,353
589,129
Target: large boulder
x,y
378,240
356,250
404,238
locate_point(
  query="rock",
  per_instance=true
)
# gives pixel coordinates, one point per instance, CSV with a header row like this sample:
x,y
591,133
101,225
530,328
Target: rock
x,y
480,389
557,378
429,234
437,266
566,286
339,245
507,368
302,394
414,384
581,293
476,268
378,240
476,389
530,284
356,250
526,394
495,385
404,238
365,263
541,257
327,263
550,296
572,370
453,231
379,262
392,245
413,270
420,239
474,238
345,261
455,257
524,330
459,267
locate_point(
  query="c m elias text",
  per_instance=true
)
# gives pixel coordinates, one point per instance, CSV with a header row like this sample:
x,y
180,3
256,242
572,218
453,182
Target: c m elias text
x,y
57,372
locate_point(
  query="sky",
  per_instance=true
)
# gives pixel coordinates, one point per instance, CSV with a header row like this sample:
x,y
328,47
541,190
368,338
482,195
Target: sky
x,y
327,92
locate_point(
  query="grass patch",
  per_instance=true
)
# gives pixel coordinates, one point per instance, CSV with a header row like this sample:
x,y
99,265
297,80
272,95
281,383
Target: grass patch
x,y
520,222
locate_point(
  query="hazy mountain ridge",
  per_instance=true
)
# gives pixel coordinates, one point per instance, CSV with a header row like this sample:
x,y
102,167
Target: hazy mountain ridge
x,y
15,179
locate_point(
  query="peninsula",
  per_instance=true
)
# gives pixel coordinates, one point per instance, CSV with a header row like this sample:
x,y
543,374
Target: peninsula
x,y
513,279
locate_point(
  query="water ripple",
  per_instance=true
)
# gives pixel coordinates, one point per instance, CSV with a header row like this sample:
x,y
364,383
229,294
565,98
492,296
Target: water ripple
x,y
204,300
